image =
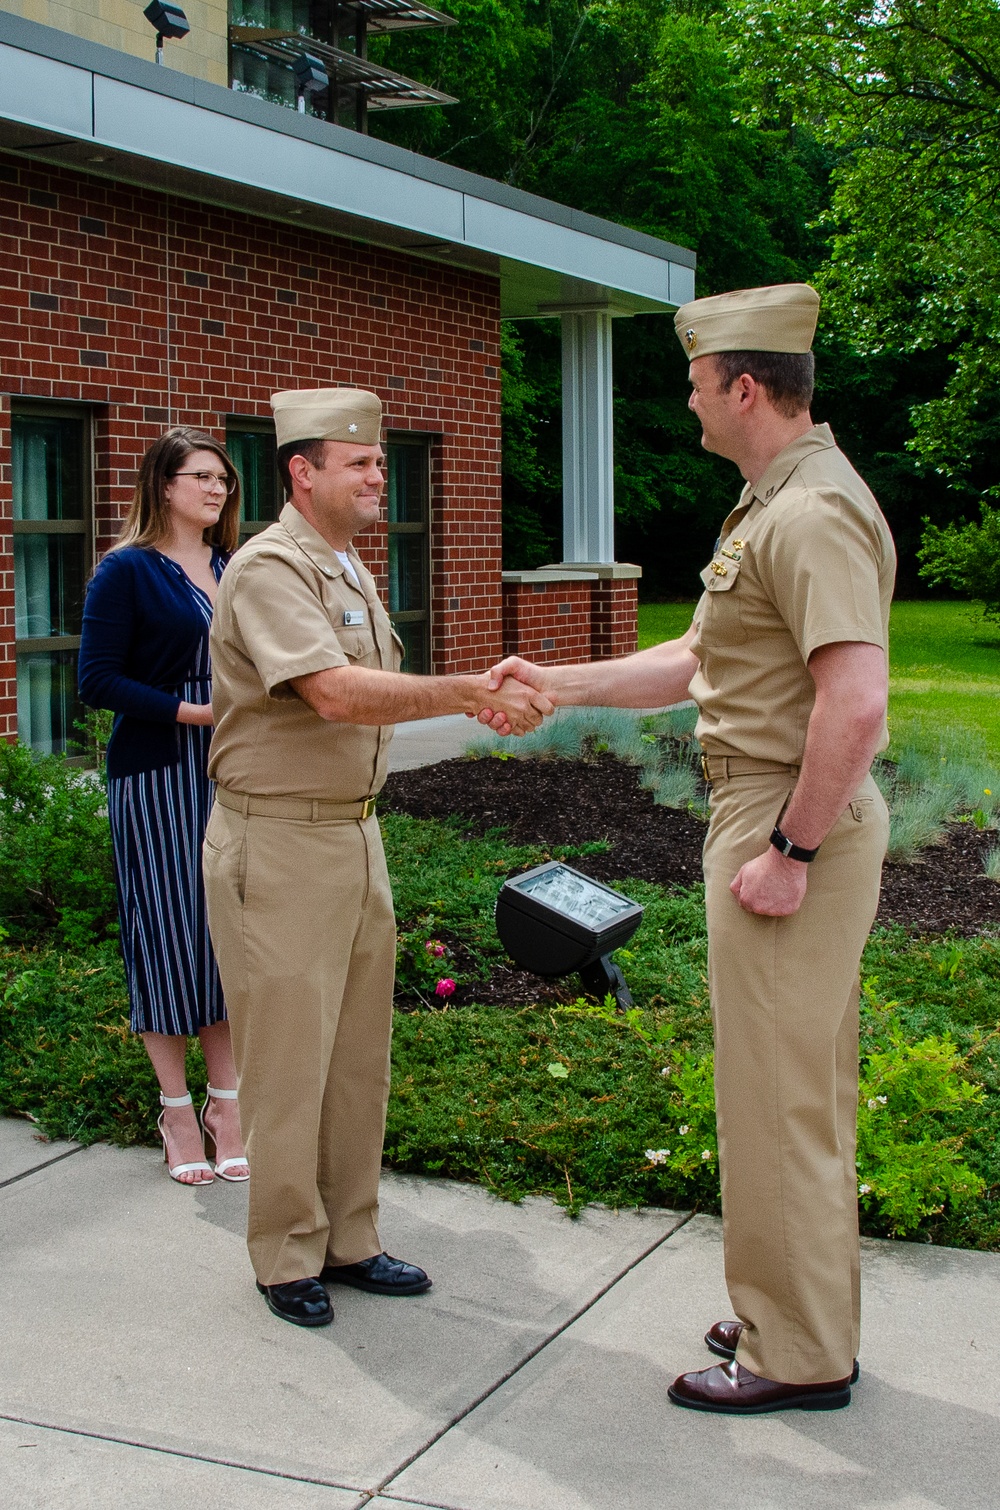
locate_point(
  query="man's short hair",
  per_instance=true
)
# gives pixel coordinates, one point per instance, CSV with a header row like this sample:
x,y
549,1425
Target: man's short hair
x,y
787,377
314,452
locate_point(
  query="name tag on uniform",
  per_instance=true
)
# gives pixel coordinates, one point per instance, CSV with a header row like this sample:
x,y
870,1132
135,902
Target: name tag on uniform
x,y
354,616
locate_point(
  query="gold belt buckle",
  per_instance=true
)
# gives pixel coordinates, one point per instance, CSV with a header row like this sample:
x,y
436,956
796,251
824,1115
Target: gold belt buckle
x,y
706,777
367,807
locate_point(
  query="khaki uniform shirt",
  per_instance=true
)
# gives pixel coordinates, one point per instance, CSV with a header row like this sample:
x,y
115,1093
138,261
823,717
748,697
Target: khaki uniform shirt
x,y
286,608
806,559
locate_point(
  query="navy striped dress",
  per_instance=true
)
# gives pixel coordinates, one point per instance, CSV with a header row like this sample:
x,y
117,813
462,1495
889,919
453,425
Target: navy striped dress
x,y
158,823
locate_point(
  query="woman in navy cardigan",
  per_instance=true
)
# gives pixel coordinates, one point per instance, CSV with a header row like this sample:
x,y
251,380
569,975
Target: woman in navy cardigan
x,y
144,654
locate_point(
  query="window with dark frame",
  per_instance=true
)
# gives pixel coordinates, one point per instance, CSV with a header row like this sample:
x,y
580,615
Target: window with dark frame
x,y
51,467
408,498
253,452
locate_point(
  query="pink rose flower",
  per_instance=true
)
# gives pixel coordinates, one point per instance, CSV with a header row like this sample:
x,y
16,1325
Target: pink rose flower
x,y
435,947
445,987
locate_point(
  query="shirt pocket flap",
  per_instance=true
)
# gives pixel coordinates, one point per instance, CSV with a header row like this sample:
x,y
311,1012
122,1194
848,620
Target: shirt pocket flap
x,y
357,644
720,575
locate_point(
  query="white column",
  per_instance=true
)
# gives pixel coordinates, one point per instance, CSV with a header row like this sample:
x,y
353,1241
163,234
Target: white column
x,y
588,450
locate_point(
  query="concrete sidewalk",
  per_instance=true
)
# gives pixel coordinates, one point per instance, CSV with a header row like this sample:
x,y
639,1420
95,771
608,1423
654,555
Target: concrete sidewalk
x,y
141,1369
428,740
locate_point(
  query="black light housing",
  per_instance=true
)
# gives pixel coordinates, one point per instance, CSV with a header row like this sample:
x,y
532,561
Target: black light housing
x,y
169,20
553,920
310,75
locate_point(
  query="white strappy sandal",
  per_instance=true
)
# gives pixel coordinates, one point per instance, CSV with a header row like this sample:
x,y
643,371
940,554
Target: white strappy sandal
x,y
209,1136
177,1170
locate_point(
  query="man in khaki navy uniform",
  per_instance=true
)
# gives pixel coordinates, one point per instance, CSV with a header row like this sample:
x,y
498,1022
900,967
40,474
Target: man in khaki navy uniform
x,y
306,688
787,661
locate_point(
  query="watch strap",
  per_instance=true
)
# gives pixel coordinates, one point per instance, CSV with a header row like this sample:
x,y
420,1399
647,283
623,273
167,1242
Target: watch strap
x,y
791,851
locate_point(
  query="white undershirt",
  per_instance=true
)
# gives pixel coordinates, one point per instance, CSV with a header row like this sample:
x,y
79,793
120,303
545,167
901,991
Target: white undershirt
x,y
348,566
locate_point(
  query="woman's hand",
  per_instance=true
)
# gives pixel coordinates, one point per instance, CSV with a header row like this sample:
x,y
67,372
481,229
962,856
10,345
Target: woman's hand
x,y
195,713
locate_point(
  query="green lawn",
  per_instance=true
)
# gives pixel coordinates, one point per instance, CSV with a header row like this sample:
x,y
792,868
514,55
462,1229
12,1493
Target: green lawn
x,y
945,665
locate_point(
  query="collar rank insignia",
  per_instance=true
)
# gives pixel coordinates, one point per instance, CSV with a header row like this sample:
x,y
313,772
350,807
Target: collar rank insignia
x,y
691,337
353,429
738,545
719,569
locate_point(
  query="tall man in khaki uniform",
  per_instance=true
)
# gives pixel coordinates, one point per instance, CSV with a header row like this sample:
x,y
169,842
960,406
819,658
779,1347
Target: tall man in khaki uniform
x,y
306,688
787,661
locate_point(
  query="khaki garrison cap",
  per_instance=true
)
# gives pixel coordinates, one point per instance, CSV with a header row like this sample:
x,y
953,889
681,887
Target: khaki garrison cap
x,y
779,318
349,414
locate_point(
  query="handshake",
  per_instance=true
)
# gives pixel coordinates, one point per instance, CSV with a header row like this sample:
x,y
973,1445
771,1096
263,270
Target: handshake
x,y
515,696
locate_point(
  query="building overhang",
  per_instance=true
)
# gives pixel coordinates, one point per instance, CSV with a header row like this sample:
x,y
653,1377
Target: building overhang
x,y
79,105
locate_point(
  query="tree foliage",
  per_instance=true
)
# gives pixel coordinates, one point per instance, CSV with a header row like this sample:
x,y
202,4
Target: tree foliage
x,y
780,139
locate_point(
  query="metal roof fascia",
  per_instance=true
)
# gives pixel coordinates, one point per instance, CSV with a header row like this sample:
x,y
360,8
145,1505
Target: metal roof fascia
x,y
172,131
169,127
33,38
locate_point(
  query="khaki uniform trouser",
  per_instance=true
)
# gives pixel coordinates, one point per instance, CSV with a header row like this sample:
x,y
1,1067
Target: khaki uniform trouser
x,y
302,924
784,997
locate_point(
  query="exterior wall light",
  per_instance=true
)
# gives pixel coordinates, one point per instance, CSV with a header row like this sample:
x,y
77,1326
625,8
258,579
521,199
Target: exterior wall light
x,y
310,78
552,920
169,20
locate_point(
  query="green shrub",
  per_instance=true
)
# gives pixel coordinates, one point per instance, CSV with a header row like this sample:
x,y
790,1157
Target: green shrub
x,y
56,871
912,1095
964,556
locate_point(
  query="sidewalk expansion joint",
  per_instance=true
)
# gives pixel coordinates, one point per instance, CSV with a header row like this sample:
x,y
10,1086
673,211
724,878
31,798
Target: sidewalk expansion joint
x,y
45,1164
516,1368
179,1452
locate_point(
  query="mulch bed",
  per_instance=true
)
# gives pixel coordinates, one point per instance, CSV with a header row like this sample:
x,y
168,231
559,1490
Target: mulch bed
x,y
571,802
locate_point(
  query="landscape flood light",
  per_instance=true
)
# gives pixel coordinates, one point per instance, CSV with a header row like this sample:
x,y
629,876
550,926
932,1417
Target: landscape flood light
x,y
169,20
552,920
310,78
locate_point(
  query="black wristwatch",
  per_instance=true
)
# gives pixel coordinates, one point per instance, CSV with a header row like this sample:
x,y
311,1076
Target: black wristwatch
x,y
792,851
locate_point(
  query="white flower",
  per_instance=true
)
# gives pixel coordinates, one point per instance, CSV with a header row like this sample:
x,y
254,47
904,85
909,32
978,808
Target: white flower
x,y
706,1153
864,1190
684,1129
657,1155
666,1071
876,1101
872,1104
881,1100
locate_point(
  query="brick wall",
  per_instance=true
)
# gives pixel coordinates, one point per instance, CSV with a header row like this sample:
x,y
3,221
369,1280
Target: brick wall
x,y
92,273
549,622
614,622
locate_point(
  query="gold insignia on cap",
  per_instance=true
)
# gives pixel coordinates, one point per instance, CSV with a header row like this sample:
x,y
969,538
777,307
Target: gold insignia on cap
x,y
781,317
343,414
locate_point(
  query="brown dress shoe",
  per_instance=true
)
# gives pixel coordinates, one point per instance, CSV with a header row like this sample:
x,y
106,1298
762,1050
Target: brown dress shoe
x,y
724,1335
734,1390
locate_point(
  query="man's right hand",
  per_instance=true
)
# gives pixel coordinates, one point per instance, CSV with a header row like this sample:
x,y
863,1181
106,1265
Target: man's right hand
x,y
515,706
507,674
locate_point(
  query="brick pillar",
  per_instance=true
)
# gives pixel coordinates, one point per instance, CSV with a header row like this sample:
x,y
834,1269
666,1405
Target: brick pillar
x,y
614,626
547,616
614,621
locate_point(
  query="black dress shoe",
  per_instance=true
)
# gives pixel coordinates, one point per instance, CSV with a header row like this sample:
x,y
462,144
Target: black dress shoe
x,y
724,1335
301,1301
382,1275
733,1390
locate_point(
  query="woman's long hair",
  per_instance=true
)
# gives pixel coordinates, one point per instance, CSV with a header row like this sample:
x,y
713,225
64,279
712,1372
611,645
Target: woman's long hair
x,y
148,521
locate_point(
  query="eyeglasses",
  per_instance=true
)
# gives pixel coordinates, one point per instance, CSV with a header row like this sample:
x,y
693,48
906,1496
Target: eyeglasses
x,y
208,481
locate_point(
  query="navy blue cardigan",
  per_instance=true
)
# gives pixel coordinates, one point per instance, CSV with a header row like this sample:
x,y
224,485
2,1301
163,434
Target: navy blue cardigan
x,y
141,633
